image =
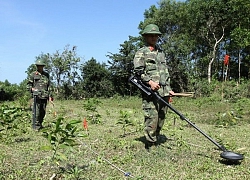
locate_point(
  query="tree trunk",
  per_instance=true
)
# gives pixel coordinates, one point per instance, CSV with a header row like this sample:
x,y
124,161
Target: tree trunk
x,y
213,55
239,65
226,73
209,70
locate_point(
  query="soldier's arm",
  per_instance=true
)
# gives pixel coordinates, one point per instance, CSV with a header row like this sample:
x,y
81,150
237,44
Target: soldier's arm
x,y
140,65
48,85
30,83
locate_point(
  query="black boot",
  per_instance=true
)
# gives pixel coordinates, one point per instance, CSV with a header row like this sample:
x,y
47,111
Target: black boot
x,y
149,144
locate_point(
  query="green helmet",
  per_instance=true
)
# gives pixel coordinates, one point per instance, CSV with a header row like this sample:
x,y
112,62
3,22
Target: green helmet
x,y
151,29
40,62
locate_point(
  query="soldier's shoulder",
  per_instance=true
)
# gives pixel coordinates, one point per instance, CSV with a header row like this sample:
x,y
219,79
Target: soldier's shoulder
x,y
142,50
33,73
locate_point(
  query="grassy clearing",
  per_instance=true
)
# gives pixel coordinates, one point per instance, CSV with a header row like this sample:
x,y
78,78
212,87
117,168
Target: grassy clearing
x,y
113,144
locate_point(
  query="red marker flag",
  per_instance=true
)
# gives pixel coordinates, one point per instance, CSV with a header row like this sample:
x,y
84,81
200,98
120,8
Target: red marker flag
x,y
226,60
85,124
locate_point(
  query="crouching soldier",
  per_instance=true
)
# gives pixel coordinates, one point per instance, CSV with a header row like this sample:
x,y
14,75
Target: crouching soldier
x,y
38,85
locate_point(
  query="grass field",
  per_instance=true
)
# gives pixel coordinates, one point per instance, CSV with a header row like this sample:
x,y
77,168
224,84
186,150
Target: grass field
x,y
113,145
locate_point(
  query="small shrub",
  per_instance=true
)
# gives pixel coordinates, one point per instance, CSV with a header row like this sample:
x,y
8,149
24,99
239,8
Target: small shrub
x,y
91,106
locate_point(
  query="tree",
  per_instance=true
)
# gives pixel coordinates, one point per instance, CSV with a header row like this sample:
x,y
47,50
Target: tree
x,y
96,79
64,67
121,65
240,33
209,23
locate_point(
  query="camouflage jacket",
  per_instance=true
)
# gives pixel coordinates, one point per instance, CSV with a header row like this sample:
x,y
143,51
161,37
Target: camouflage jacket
x,y
41,82
151,65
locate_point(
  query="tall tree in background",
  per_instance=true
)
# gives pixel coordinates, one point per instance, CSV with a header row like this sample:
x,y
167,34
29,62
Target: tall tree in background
x,y
64,67
207,24
121,65
96,79
240,33
196,36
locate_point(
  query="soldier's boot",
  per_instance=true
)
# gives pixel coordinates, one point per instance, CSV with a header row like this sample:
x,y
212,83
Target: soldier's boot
x,y
150,140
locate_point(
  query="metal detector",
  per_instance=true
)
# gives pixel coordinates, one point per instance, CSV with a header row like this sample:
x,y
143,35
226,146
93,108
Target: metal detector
x,y
228,155
35,94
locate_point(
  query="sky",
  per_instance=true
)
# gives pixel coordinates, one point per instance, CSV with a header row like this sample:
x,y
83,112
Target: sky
x,y
32,27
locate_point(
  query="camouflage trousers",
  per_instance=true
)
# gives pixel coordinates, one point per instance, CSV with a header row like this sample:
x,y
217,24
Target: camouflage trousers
x,y
154,114
40,111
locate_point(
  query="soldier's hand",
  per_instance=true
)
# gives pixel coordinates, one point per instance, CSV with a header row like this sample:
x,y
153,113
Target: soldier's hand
x,y
154,86
171,93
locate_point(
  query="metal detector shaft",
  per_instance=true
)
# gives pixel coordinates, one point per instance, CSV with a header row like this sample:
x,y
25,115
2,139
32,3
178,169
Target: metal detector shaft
x,y
34,113
134,80
35,93
189,122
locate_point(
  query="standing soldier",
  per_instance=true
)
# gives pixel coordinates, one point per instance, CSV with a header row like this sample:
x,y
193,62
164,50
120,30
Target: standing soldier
x,y
150,65
38,84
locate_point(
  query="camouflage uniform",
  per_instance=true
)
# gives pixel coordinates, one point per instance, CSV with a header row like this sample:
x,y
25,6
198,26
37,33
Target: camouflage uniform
x,y
41,82
151,65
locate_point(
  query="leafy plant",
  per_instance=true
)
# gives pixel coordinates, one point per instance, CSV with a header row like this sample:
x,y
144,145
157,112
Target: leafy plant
x,y
227,144
10,119
74,172
91,106
125,120
24,101
176,132
60,137
226,119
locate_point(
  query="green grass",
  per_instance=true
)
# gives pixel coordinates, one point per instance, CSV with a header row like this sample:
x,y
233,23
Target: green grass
x,y
110,148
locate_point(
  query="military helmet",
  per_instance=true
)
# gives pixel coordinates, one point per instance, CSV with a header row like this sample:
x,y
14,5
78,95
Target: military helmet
x,y
40,62
151,29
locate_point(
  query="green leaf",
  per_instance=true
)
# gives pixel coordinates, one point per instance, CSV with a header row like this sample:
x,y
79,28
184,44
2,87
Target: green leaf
x,y
58,122
46,148
68,126
73,130
49,137
63,146
82,135
69,142
62,156
75,121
